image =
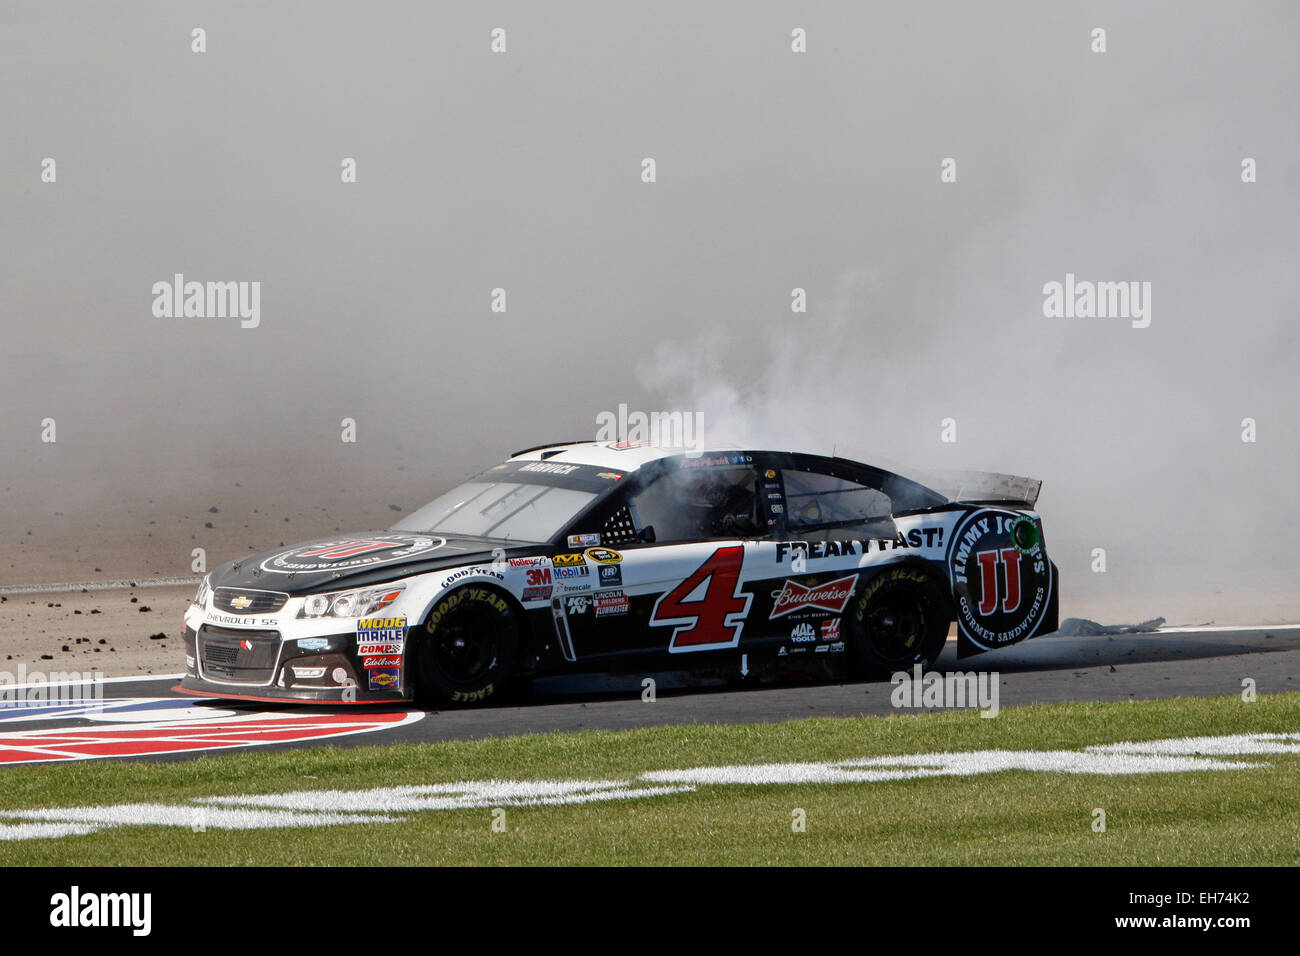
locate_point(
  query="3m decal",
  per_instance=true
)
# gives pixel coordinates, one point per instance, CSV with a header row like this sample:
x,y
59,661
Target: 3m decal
x,y
707,610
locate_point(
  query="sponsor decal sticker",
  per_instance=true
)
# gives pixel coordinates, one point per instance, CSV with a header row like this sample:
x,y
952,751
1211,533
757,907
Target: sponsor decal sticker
x,y
386,660
365,650
611,604
563,573
549,468
1002,593
604,555
313,643
831,629
611,576
384,678
350,553
568,560
381,630
537,594
829,598
583,540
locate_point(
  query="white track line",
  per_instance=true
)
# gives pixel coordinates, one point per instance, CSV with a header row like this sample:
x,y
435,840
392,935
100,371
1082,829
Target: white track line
x,y
120,584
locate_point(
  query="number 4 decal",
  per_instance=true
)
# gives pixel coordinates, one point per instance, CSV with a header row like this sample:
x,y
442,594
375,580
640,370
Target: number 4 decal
x,y
712,619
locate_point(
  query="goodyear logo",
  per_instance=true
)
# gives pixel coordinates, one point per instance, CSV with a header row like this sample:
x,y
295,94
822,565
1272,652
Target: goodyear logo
x,y
455,598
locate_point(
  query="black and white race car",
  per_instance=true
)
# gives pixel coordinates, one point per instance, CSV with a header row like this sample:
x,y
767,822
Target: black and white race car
x,y
622,557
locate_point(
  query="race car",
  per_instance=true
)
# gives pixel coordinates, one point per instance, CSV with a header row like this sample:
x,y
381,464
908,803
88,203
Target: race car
x,y
623,557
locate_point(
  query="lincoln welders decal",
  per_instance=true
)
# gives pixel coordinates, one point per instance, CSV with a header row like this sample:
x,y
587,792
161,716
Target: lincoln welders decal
x,y
395,803
349,553
1002,594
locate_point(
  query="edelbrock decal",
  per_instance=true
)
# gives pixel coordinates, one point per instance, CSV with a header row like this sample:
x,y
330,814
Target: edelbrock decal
x,y
316,808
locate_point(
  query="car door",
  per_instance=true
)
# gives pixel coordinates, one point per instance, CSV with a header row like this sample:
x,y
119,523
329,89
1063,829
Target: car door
x,y
681,592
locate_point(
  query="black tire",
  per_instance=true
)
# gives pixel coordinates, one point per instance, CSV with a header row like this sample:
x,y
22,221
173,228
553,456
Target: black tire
x,y
898,619
466,651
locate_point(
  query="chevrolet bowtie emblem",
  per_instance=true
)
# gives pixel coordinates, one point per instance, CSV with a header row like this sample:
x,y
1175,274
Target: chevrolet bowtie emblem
x,y
241,602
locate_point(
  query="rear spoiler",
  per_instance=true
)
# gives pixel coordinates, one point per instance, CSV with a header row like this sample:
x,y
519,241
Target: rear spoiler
x,y
985,487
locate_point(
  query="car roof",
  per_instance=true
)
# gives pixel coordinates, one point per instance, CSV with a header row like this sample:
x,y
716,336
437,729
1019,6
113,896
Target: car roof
x,y
622,456
629,456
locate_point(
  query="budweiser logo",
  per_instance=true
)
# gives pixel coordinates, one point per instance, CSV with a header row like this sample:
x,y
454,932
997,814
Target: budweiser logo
x,y
831,597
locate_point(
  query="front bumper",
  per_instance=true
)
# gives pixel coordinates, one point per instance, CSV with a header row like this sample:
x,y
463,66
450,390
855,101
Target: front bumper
x,y
263,664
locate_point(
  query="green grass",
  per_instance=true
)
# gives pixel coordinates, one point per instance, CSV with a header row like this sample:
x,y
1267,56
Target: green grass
x,y
1239,817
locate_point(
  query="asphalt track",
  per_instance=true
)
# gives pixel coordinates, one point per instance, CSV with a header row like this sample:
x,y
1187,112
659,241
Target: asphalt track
x,y
1184,663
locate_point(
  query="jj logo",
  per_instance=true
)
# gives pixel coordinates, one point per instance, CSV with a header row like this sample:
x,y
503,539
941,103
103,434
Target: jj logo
x,y
1009,558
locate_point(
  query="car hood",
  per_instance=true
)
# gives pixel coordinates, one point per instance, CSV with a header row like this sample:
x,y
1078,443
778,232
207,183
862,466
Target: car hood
x,y
354,560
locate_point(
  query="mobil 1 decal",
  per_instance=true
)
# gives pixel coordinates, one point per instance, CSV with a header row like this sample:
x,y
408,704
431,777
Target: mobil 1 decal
x,y
1002,580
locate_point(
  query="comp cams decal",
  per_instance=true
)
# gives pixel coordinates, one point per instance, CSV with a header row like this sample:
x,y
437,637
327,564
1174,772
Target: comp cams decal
x,y
317,808
351,553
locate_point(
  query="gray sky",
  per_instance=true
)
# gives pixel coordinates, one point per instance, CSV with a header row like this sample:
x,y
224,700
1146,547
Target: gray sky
x,y
776,170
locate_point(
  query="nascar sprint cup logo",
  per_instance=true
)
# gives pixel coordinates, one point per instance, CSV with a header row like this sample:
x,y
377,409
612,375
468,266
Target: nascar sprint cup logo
x,y
1002,579
348,553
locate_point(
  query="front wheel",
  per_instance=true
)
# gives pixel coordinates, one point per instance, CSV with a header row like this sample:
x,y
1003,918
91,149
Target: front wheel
x,y
466,651
898,620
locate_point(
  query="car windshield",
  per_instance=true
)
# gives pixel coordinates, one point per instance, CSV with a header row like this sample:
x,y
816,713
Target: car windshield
x,y
508,510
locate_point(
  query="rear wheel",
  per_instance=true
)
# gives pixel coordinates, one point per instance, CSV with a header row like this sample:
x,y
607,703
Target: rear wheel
x,y
899,619
466,651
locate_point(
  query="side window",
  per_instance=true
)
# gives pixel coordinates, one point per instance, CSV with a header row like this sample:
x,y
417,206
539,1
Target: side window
x,y
687,504
815,500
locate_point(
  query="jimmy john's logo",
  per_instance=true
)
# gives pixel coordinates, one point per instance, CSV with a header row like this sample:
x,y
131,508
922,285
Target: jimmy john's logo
x,y
829,598
1003,589
349,553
